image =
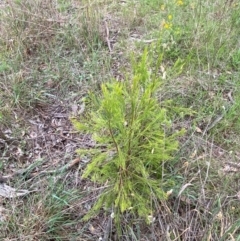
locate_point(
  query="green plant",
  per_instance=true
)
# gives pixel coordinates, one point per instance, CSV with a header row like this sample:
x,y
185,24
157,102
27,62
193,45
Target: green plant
x,y
235,59
135,141
90,28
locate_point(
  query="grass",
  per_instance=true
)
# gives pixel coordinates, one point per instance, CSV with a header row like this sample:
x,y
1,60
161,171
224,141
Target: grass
x,y
53,52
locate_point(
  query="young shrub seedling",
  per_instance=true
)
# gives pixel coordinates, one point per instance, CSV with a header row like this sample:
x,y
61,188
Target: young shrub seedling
x,y
135,141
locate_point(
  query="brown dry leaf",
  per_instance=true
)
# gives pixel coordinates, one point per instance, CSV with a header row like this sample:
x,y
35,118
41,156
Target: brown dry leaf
x,y
92,229
185,164
219,216
198,130
193,154
164,73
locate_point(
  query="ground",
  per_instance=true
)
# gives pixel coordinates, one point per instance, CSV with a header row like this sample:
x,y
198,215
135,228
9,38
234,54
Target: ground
x,y
54,53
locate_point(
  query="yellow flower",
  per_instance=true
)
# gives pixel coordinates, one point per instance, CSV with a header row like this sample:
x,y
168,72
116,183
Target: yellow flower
x,y
162,7
167,25
170,17
179,2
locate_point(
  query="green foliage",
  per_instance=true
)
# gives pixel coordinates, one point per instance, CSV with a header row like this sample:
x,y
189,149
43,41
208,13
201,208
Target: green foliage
x,y
3,66
134,133
235,59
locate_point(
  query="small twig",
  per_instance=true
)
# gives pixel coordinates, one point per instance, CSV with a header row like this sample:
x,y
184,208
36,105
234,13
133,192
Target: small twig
x,y
215,122
107,230
107,36
62,169
230,97
69,165
147,41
